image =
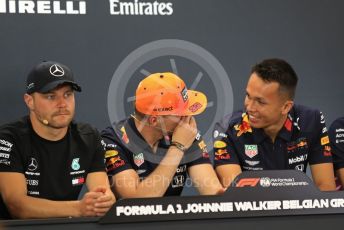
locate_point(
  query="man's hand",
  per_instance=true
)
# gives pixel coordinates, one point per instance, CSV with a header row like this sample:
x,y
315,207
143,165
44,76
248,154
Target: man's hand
x,y
104,202
87,203
97,202
221,191
185,132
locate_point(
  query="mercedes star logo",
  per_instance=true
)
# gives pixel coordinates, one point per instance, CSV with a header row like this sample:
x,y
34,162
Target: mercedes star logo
x,y
56,70
33,164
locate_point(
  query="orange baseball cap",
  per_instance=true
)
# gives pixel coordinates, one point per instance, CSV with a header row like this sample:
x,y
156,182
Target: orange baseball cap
x,y
166,94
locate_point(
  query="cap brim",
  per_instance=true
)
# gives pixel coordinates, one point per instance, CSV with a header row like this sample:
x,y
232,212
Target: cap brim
x,y
197,103
54,84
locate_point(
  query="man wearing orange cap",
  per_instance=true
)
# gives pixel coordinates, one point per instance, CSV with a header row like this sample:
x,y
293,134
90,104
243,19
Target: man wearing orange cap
x,y
150,153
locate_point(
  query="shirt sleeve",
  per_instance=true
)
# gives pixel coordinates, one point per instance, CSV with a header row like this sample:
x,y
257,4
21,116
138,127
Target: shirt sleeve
x,y
115,156
336,133
320,149
224,149
98,164
10,157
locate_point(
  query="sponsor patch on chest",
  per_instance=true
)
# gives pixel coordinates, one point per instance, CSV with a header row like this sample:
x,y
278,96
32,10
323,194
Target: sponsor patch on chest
x,y
251,150
138,159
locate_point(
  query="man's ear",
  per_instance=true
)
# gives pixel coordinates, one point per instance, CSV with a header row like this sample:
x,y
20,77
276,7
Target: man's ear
x,y
287,107
29,101
152,120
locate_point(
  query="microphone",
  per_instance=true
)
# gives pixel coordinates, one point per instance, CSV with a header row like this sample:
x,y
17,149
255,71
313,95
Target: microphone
x,y
41,119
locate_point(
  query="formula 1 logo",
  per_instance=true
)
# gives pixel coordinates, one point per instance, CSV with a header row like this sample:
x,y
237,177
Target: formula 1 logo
x,y
247,182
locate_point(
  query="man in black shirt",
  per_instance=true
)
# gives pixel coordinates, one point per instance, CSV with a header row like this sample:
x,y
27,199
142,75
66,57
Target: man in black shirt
x,y
45,157
150,153
273,132
336,133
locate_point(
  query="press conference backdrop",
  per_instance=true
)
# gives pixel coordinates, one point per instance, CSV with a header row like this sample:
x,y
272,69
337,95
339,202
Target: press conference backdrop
x,y
212,44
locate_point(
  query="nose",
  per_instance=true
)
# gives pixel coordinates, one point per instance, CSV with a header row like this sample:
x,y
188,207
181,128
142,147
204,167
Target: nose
x,y
61,102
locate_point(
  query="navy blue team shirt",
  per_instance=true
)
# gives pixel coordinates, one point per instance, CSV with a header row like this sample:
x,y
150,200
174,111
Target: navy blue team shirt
x,y
336,133
302,140
127,149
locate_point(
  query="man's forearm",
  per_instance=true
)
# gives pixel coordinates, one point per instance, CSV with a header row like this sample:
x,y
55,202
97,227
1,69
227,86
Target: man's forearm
x,y
156,184
30,207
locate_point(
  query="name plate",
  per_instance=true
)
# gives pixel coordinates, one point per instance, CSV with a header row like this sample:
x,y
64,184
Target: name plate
x,y
252,194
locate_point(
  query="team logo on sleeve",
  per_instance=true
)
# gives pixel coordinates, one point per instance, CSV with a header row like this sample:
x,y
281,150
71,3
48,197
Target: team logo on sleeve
x,y
202,145
221,150
5,149
219,134
125,138
138,159
220,144
327,151
5,145
113,160
198,136
102,142
204,149
325,140
111,153
324,130
322,118
205,155
251,150
244,127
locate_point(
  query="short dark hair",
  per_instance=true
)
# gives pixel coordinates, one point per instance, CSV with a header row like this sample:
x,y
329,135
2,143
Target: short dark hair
x,y
280,71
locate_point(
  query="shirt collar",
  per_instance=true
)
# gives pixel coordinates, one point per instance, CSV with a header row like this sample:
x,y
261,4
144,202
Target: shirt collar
x,y
287,129
134,136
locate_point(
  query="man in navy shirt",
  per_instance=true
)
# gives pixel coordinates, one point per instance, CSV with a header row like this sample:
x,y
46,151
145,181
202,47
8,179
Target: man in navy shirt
x,y
150,153
273,133
336,133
